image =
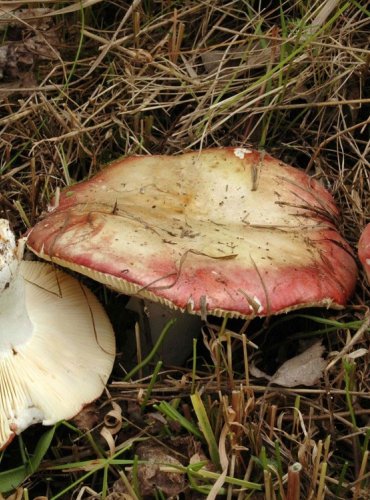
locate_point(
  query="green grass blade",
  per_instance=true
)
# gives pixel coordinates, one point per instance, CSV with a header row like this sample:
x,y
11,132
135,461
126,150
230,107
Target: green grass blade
x,y
175,415
153,380
206,428
153,352
12,478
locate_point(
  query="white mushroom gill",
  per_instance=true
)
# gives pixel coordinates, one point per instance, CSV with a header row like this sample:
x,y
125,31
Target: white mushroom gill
x,y
56,343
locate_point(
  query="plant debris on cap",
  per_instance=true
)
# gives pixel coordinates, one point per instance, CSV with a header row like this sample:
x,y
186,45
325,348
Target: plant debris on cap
x,y
225,230
364,250
57,345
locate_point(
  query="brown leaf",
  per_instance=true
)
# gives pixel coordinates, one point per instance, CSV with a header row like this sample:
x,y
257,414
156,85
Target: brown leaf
x,y
43,45
154,475
31,18
17,58
88,418
31,37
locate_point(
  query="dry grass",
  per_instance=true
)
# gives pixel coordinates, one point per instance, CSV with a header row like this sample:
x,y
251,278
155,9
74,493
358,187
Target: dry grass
x,y
86,82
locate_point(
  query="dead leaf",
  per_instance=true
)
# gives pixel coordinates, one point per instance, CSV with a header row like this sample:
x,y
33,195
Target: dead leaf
x,y
43,45
256,372
304,369
87,418
17,58
154,475
31,18
31,37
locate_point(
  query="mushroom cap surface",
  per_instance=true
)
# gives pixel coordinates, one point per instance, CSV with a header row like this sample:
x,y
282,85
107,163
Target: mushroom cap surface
x,y
225,230
364,250
66,360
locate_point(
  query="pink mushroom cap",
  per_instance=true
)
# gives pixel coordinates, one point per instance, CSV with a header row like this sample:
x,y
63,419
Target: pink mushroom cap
x,y
364,250
226,230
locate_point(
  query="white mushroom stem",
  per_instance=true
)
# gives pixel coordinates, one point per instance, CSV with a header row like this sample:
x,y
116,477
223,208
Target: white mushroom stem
x,y
56,343
16,326
153,317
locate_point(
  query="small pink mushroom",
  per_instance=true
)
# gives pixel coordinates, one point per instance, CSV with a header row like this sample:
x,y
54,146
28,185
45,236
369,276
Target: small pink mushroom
x,y
364,250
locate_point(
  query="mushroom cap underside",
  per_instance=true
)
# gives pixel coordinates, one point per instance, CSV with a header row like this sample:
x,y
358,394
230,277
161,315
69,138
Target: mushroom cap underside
x,y
67,360
219,231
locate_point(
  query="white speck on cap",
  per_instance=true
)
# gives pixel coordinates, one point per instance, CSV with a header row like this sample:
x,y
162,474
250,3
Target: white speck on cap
x,y
241,152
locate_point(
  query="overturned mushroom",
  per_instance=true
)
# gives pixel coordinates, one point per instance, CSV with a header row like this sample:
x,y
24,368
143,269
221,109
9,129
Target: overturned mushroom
x,y
364,250
222,231
56,343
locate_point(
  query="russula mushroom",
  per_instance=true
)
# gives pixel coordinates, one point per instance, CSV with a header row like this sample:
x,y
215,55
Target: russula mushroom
x,y
222,231
364,250
57,346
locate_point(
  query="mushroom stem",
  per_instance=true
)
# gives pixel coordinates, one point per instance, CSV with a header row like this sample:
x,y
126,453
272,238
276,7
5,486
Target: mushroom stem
x,y
16,326
153,317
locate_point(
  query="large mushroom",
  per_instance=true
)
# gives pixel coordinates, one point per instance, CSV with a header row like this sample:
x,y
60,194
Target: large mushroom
x,y
364,250
222,231
57,346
